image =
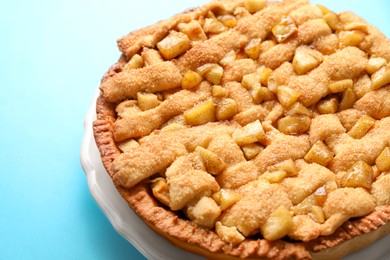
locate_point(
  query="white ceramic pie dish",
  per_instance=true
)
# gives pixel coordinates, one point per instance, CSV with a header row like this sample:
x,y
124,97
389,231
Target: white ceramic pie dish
x,y
133,229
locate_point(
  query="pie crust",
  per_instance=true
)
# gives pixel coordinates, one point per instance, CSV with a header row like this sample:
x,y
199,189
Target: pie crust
x,y
285,106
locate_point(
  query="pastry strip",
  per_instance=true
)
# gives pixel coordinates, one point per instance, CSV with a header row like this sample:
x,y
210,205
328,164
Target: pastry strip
x,y
143,123
126,84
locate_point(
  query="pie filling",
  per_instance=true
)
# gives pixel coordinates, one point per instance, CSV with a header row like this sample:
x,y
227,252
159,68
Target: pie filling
x,y
256,118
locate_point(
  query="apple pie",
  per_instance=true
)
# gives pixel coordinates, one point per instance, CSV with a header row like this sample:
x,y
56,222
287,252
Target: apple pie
x,y
252,129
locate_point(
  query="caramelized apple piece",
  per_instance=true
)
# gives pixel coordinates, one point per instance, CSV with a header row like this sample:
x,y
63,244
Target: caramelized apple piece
x,y
201,114
317,214
229,234
324,10
251,150
191,79
212,162
127,108
383,160
340,86
298,109
291,125
226,198
267,45
160,190
304,207
287,96
218,91
135,62
260,94
328,106
362,86
254,6
320,195
147,101
374,64
252,49
228,20
229,57
151,56
278,224
214,75
226,109
332,20
202,70
284,29
361,127
264,73
205,212
274,176
348,99
173,45
213,26
193,30
172,127
249,80
287,165
380,78
251,133
319,153
350,38
359,175
306,59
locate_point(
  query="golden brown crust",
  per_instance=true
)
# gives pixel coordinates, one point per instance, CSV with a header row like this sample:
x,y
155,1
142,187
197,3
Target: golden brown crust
x,y
130,171
203,241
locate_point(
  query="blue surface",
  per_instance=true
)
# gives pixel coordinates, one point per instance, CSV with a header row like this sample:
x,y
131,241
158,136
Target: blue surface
x,y
52,56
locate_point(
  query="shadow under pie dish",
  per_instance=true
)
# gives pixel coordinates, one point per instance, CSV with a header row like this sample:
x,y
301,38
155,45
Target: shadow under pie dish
x,y
252,129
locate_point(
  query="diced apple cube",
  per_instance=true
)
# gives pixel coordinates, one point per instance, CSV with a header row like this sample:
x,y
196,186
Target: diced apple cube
x,y
284,29
328,106
226,109
361,127
274,176
214,75
340,86
251,133
383,160
229,234
213,163
251,150
252,49
278,224
201,114
147,100
226,198
374,64
292,125
191,79
135,62
380,78
254,6
205,212
359,175
319,153
160,190
348,99
287,96
174,44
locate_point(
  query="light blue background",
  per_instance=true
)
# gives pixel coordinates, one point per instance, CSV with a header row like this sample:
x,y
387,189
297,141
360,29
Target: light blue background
x,y
52,56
